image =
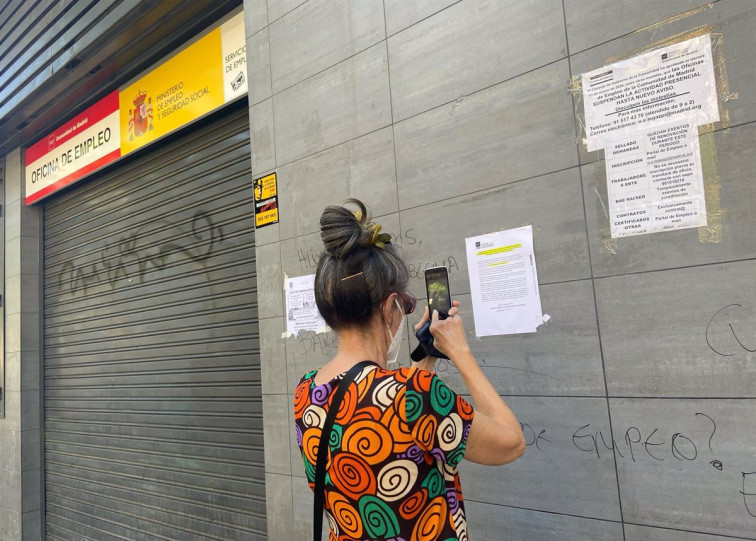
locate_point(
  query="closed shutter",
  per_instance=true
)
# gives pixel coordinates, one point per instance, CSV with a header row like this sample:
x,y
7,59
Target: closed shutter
x,y
153,408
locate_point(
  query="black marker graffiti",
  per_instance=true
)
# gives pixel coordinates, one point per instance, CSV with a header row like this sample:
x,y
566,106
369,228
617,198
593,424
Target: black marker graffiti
x,y
417,268
589,439
128,259
648,442
629,441
408,238
592,446
713,428
531,438
318,343
750,507
678,448
308,257
714,333
675,447
613,447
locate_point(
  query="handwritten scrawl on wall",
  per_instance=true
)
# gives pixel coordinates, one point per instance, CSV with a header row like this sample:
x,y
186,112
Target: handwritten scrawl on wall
x,y
138,253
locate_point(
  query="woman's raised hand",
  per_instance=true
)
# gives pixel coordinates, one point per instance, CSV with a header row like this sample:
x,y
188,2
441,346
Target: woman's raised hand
x,y
449,334
429,363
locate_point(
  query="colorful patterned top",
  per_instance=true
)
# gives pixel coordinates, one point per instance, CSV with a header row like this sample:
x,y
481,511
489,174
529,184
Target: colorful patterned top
x,y
394,449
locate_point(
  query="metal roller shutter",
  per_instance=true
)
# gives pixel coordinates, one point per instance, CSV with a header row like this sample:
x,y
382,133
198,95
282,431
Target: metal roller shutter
x,y
153,408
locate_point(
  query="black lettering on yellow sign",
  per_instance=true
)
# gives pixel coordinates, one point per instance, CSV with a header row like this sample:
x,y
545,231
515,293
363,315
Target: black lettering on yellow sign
x,y
266,200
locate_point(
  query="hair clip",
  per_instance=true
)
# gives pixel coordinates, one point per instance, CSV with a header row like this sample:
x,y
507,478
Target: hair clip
x,y
351,276
377,238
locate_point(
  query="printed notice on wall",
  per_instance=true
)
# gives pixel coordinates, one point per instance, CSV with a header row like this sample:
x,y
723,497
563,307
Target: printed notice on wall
x,y
301,311
504,282
655,182
651,89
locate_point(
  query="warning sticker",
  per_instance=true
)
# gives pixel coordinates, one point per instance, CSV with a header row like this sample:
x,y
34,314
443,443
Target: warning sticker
x,y
266,200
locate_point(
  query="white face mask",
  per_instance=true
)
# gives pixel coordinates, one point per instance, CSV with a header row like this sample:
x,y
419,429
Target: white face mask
x,y
396,340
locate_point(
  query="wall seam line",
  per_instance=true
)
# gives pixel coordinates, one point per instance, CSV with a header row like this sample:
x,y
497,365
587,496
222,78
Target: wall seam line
x,y
593,283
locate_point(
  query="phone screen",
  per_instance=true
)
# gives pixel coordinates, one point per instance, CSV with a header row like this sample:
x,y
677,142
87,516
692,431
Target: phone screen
x,y
437,286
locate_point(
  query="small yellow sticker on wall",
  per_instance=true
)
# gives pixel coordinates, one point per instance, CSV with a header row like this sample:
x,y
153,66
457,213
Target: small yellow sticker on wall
x,y
266,200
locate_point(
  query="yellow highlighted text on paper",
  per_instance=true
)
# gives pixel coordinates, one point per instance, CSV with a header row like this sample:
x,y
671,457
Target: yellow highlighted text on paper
x,y
500,250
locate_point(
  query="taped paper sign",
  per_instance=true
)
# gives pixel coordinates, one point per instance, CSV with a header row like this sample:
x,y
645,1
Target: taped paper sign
x,y
650,90
655,182
301,311
504,283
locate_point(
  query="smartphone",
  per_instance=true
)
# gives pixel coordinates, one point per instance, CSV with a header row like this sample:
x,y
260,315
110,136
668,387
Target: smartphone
x,y
437,287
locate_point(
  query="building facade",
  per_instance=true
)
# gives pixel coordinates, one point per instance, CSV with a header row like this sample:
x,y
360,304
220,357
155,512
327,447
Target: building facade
x,y
132,397
147,373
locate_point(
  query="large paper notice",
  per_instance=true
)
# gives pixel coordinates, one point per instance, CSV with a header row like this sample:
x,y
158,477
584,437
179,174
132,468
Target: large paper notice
x,y
504,282
655,182
649,90
301,311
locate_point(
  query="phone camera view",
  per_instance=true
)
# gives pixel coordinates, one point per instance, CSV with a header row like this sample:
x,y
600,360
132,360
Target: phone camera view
x,y
438,297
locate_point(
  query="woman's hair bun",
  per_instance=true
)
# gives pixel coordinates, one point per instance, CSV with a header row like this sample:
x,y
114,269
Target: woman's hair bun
x,y
343,230
358,268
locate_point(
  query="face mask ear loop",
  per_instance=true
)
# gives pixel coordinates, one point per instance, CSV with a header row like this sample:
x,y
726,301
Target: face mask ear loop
x,y
392,354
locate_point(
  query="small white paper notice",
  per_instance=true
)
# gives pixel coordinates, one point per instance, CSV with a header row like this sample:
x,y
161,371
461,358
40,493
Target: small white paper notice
x,y
301,311
655,182
650,89
504,282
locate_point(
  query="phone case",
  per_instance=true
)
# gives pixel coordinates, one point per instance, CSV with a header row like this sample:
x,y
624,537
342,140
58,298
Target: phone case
x,y
425,338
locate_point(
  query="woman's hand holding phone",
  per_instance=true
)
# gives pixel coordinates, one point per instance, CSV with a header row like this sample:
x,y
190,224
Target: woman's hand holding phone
x,y
449,334
452,331
429,363
495,436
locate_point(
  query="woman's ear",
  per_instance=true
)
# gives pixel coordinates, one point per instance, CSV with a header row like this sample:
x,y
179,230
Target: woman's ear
x,y
387,307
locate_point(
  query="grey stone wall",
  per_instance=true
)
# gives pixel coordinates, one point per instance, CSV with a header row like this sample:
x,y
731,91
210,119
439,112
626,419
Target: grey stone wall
x,y
456,118
21,429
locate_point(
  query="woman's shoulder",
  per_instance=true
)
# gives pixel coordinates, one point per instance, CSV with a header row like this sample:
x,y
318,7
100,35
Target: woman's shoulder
x,y
302,391
307,379
308,376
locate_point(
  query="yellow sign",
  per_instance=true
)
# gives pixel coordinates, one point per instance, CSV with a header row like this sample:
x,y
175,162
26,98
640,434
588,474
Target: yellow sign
x,y
266,200
182,89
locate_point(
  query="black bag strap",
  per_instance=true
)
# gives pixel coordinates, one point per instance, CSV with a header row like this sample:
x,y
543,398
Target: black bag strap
x,y
325,435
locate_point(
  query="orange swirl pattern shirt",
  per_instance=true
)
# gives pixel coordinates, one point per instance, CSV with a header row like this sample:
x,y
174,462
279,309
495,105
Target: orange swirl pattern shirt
x,y
397,440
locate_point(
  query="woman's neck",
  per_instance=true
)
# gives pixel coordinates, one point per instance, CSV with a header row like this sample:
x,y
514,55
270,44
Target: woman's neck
x,y
356,345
